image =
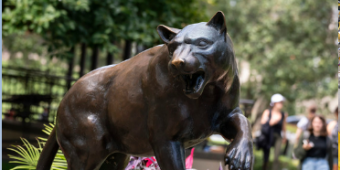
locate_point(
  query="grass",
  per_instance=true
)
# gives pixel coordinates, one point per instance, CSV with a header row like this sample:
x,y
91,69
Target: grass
x,y
286,163
291,128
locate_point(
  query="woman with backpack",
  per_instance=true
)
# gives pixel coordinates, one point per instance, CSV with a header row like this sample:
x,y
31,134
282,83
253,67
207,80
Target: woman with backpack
x,y
315,151
273,123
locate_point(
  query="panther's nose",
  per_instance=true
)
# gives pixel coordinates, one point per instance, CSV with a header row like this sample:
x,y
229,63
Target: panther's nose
x,y
178,63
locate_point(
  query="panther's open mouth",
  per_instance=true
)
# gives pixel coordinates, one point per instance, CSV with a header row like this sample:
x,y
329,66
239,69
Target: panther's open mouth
x,y
193,82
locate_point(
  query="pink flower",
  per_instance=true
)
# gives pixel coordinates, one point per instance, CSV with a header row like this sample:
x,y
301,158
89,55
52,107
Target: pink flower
x,y
150,161
189,160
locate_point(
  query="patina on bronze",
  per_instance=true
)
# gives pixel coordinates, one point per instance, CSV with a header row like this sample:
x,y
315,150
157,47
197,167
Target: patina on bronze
x,y
159,102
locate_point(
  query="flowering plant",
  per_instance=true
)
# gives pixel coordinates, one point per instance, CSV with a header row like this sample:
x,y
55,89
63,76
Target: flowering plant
x,y
150,163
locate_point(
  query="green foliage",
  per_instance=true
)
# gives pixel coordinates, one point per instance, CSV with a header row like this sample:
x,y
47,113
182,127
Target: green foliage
x,y
47,18
288,44
38,16
139,18
29,154
28,157
30,51
97,23
24,15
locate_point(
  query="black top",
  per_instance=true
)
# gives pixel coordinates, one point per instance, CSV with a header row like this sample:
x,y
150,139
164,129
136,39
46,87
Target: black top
x,y
277,128
319,150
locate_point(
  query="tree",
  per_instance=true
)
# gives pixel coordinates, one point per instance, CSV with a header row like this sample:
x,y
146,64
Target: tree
x,y
48,19
289,45
94,23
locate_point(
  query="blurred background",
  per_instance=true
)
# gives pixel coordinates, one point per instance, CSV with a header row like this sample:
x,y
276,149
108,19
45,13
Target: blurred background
x,y
282,46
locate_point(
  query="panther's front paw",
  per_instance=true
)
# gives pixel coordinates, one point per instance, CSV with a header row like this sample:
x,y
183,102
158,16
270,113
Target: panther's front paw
x,y
239,155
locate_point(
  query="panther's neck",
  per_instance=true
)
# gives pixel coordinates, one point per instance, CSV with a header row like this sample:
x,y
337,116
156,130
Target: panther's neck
x,y
158,65
226,77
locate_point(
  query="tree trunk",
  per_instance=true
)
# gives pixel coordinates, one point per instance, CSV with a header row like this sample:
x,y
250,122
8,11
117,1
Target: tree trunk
x,y
127,50
82,59
70,68
259,106
94,58
109,58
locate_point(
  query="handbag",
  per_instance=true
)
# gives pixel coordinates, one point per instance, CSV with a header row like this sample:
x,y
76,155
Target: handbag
x,y
264,140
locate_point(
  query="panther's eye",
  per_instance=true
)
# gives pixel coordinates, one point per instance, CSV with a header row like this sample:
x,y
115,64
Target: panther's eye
x,y
202,43
170,54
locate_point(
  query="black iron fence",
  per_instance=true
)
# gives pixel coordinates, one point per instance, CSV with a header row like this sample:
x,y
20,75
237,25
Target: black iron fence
x,y
30,94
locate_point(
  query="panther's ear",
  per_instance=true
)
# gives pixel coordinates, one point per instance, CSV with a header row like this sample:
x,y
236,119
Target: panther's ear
x,y
167,33
218,22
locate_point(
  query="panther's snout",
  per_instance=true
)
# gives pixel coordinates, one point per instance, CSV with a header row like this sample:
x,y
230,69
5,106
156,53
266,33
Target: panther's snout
x,y
189,71
178,64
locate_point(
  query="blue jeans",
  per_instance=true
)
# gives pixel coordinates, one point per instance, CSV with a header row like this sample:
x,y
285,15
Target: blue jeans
x,y
315,164
335,161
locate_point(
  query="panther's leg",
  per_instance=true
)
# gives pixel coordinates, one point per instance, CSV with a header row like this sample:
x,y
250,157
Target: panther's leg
x,y
239,154
169,154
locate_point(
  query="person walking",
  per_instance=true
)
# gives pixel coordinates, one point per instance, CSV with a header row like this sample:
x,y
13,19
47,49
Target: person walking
x,y
315,151
276,119
304,123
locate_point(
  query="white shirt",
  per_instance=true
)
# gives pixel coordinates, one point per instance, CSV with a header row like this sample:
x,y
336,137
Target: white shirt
x,y
303,123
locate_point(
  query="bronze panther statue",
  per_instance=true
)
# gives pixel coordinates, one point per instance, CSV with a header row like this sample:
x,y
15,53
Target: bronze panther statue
x,y
159,102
